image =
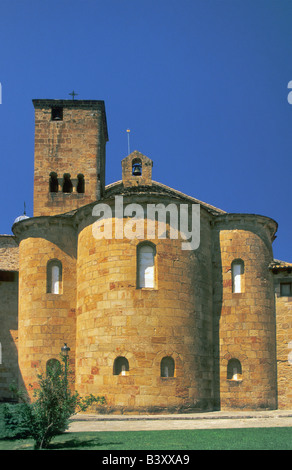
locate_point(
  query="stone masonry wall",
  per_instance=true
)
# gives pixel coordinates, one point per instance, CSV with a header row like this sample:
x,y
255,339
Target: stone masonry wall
x,y
46,320
8,253
8,315
115,318
73,145
8,336
245,322
284,341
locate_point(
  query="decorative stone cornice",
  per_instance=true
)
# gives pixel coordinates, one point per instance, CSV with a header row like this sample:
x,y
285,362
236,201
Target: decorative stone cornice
x,y
240,220
30,226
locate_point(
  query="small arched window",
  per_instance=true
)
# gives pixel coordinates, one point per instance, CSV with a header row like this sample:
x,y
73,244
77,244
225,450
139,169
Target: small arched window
x,y
167,367
121,366
80,184
146,265
67,183
53,366
237,269
137,167
53,183
234,370
54,277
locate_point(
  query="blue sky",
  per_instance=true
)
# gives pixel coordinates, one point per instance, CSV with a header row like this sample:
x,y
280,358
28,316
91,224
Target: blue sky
x,y
202,84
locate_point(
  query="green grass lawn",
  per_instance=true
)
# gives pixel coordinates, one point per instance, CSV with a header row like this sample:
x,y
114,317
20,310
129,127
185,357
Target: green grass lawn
x,y
205,439
198,439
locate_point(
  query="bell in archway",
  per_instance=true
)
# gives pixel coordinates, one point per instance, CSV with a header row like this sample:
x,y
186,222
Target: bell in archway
x,y
137,169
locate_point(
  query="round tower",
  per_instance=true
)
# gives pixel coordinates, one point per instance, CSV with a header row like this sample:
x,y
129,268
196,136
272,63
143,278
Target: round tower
x,y
244,312
47,300
144,314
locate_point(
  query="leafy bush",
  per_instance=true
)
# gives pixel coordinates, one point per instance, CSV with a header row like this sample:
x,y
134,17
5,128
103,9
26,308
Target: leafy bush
x,y
14,420
48,415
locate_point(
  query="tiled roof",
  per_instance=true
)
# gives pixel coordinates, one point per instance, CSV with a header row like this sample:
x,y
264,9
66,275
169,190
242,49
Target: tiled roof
x,y
157,188
278,264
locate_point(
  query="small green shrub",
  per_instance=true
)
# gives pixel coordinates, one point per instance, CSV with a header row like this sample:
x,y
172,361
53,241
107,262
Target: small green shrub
x,y
14,420
48,415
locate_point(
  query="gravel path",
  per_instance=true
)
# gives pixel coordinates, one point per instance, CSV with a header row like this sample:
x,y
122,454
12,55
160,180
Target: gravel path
x,y
211,420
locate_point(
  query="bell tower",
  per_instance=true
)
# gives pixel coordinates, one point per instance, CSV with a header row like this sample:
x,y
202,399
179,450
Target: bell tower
x,y
69,160
137,170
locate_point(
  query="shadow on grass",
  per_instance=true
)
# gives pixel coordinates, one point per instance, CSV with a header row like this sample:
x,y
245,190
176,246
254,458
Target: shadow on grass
x,y
79,443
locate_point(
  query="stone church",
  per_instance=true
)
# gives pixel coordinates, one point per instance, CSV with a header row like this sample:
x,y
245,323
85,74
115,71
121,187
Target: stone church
x,y
150,326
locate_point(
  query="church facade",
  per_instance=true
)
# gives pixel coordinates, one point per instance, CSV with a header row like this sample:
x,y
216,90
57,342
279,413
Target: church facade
x,y
167,303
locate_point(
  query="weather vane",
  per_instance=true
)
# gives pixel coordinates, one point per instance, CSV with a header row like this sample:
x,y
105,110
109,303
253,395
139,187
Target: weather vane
x,y
73,94
128,132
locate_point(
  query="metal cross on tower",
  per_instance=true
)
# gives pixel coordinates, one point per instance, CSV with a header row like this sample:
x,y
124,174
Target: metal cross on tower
x,y
73,94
